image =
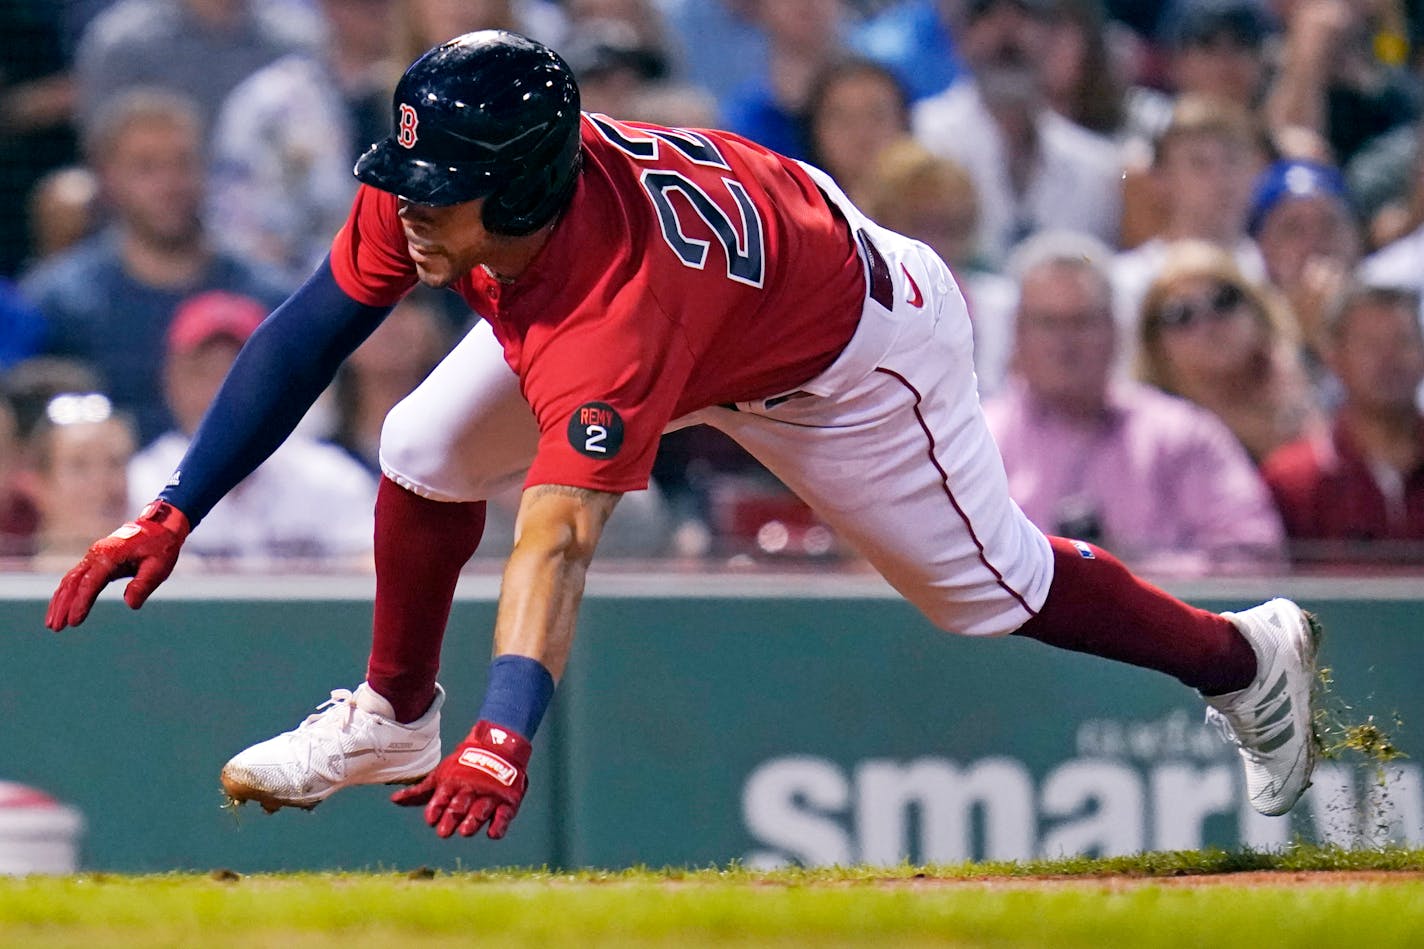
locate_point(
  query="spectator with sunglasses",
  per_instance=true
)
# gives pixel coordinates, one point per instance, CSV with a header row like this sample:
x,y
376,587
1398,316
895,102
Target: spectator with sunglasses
x,y
1109,460
1210,335
1356,493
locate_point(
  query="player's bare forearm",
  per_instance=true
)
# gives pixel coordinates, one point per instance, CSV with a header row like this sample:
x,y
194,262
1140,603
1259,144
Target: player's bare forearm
x,y
555,537
485,778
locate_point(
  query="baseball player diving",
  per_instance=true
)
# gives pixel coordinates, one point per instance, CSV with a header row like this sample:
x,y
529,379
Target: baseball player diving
x,y
633,279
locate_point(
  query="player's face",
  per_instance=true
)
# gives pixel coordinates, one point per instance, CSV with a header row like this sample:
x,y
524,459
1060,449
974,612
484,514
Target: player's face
x,y
446,242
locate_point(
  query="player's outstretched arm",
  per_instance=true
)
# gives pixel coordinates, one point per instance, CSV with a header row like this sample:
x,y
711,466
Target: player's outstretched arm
x,y
280,372
484,779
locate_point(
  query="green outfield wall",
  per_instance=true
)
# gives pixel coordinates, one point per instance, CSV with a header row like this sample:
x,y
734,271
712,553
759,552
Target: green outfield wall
x,y
768,719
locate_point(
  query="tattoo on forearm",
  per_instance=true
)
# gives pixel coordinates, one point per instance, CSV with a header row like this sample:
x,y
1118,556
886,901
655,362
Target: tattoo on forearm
x,y
601,501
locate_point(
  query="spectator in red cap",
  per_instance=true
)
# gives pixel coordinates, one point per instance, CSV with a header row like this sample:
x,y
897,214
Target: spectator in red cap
x,y
309,501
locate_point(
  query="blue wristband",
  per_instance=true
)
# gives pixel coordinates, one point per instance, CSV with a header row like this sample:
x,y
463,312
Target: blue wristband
x,y
518,694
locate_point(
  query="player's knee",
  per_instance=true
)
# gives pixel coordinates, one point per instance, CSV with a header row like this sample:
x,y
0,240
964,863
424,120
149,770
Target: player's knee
x,y
410,453
441,461
998,617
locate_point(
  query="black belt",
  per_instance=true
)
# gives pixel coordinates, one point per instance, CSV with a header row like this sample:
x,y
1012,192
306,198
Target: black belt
x,y
772,402
882,288
882,291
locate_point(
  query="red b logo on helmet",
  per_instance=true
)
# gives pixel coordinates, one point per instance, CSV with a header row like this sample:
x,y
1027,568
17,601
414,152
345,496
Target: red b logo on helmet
x,y
408,121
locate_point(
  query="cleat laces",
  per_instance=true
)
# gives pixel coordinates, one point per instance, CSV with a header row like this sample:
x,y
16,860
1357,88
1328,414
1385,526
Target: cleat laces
x,y
332,719
1223,726
327,713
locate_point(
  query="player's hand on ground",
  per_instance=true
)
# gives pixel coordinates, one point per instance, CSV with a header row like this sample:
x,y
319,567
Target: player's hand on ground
x,y
146,548
482,780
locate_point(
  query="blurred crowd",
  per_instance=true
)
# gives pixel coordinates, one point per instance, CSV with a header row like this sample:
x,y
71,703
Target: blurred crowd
x,y
1190,235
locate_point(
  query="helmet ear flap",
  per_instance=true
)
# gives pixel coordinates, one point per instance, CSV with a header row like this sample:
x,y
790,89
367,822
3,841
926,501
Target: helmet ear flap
x,y
535,198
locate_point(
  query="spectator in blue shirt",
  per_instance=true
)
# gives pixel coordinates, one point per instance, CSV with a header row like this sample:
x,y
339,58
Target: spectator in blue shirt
x,y
21,326
109,299
805,37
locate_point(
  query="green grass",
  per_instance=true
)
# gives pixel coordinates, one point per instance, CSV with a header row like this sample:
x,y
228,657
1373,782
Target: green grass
x,y
990,905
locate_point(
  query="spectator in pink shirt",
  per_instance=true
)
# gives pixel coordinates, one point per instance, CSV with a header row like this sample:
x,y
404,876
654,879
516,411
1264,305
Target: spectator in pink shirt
x,y
1113,461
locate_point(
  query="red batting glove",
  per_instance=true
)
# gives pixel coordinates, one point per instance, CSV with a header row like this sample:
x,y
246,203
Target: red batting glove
x,y
146,548
482,780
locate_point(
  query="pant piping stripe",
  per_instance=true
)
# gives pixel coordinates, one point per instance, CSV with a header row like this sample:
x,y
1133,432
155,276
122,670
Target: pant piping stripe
x,y
949,493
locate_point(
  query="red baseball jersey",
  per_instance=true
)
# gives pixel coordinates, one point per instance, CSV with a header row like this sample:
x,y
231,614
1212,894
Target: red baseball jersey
x,y
692,268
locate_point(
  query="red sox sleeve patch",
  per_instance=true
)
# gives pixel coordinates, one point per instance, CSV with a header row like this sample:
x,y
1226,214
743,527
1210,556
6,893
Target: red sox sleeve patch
x,y
596,430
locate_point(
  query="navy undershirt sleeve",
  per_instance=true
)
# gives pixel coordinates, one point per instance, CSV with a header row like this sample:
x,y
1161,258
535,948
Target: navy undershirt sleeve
x,y
518,694
281,370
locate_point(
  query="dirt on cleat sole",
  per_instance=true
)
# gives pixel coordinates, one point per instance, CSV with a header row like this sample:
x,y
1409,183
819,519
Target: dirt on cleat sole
x,y
1315,744
239,794
1317,686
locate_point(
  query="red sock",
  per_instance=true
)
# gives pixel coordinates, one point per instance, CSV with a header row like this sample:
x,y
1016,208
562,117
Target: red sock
x,y
1096,605
421,546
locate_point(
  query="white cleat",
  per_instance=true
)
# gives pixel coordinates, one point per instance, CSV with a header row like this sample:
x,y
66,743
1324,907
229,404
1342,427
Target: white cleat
x,y
1271,721
352,738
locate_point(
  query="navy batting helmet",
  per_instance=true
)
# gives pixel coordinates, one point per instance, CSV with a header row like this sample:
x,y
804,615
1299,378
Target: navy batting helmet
x,y
488,115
